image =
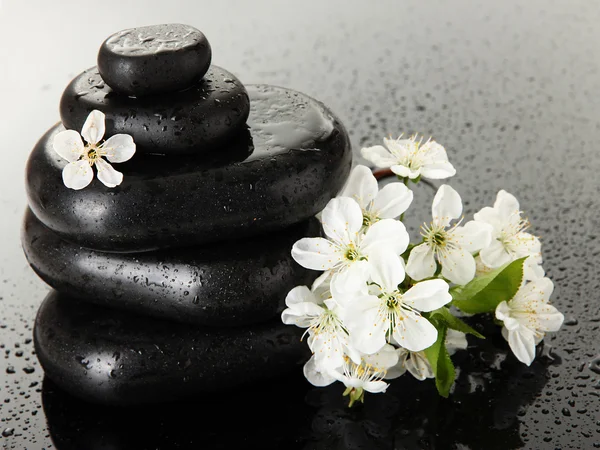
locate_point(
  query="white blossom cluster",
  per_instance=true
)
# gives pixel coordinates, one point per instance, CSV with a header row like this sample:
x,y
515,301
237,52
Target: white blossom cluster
x,y
368,316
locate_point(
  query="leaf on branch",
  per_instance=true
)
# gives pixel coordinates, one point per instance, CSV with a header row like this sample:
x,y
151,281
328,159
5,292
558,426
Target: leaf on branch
x,y
454,323
440,361
484,293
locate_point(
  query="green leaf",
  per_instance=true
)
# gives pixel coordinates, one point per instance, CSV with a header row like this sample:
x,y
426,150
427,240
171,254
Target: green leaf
x,y
453,322
484,293
440,361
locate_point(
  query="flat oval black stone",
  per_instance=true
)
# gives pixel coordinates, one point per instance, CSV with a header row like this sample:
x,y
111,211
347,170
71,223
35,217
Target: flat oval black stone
x,y
112,357
296,157
228,284
199,120
154,59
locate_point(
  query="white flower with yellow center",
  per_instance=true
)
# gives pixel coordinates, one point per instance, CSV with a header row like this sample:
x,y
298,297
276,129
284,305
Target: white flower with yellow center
x,y
389,314
451,246
69,145
388,203
528,317
411,158
328,337
346,250
509,238
367,375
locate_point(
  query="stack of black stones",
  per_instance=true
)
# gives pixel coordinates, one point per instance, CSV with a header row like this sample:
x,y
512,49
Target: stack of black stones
x,y
171,283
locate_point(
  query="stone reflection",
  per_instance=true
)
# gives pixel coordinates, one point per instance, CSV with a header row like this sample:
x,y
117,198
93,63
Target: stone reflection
x,y
492,391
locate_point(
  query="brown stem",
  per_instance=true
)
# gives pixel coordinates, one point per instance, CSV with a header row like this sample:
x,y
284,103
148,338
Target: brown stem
x,y
380,174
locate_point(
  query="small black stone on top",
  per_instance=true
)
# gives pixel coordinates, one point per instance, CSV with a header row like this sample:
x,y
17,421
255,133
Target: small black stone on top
x,y
154,60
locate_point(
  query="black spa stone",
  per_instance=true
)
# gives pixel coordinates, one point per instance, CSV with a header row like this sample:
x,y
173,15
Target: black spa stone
x,y
229,284
197,121
113,357
154,59
295,158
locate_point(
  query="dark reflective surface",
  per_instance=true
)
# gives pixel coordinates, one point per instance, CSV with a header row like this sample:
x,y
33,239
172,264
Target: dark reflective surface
x,y
508,87
492,392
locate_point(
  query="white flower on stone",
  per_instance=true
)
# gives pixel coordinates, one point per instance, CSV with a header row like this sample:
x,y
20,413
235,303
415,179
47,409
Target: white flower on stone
x,y
528,317
347,249
388,314
451,246
411,158
69,145
509,239
417,364
328,337
388,203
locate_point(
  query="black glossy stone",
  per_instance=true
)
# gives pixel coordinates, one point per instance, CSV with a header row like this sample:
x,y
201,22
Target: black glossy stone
x,y
112,357
154,59
233,283
295,158
197,121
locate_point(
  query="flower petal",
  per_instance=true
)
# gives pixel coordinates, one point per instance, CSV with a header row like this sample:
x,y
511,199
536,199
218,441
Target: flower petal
x,y
458,266
387,233
301,315
387,269
342,218
77,175
400,148
321,284
473,236
446,206
415,333
405,172
119,148
68,145
369,329
375,387
350,279
537,291
522,344
385,358
399,369
421,262
490,216
93,128
418,366
379,156
532,270
506,204
299,294
434,152
548,318
494,255
317,376
503,312
525,244
392,200
438,171
109,176
428,295
316,253
361,186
